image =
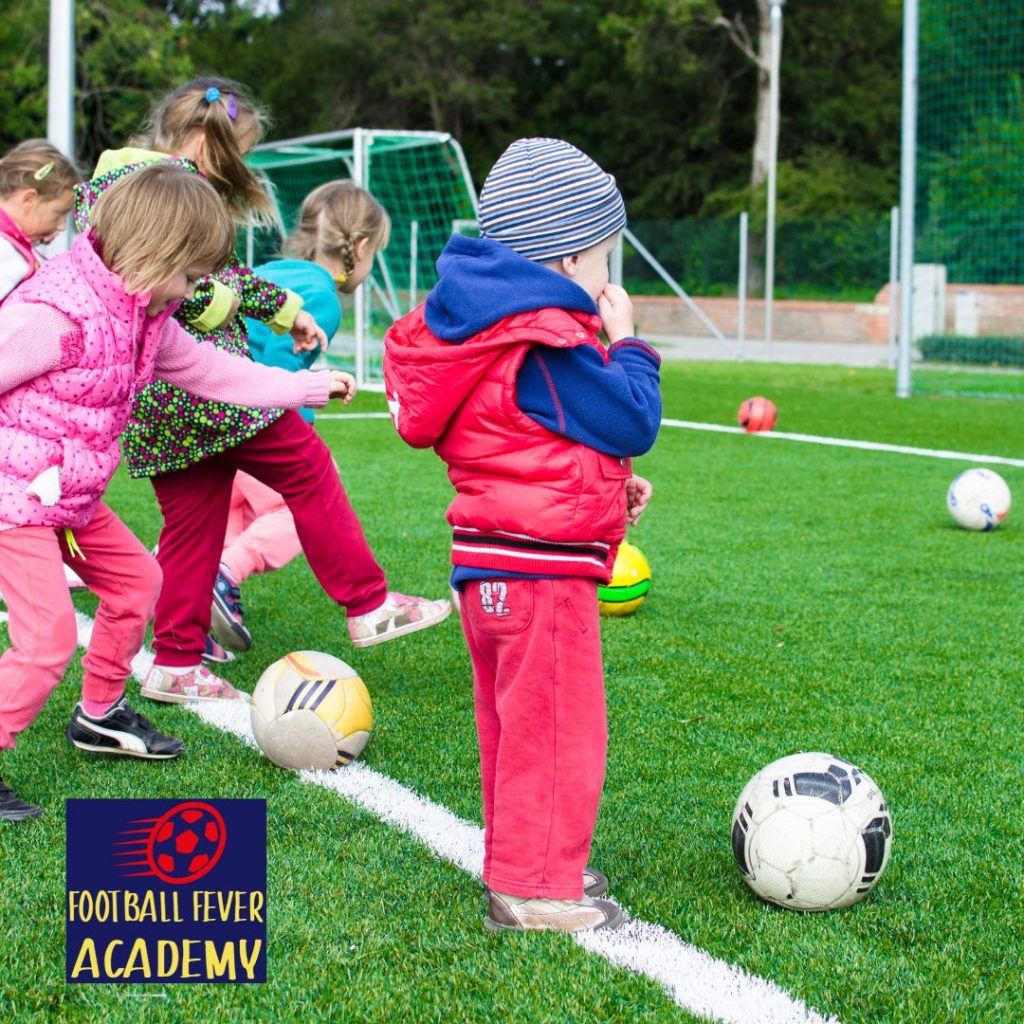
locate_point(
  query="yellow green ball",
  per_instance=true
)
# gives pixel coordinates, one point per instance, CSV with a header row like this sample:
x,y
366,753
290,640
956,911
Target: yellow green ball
x,y
631,579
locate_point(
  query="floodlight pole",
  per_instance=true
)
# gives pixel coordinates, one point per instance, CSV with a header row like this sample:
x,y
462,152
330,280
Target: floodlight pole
x,y
908,173
775,58
60,96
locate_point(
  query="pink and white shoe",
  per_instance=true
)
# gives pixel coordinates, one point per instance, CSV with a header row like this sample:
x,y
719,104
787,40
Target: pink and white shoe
x,y
398,615
199,684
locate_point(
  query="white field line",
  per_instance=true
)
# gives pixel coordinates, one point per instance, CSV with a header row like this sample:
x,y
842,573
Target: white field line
x,y
776,435
842,442
694,979
353,415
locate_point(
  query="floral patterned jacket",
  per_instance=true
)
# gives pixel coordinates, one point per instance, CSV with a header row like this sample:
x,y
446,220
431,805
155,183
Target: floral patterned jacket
x,y
171,429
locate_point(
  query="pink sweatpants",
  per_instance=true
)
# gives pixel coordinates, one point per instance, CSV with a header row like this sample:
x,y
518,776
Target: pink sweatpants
x,y
261,534
538,684
42,627
289,457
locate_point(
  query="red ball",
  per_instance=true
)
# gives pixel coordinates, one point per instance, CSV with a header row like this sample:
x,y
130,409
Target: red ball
x,y
757,414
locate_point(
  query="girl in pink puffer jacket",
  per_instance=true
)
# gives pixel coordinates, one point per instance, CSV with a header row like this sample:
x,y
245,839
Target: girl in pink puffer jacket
x,y
77,341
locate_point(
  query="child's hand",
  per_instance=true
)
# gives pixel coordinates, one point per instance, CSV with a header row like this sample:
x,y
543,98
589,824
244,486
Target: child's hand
x,y
616,310
307,333
343,385
638,494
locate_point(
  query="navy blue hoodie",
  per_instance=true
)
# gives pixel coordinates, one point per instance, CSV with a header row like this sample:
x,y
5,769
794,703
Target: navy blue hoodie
x,y
613,407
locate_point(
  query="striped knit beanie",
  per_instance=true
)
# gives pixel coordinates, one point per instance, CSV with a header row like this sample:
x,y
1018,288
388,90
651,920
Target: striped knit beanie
x,y
545,199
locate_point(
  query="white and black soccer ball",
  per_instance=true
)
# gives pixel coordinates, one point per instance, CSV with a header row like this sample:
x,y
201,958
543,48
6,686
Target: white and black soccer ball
x,y
978,499
811,832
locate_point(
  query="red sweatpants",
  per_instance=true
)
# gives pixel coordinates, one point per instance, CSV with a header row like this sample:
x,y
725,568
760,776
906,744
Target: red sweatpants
x,y
538,684
289,457
44,636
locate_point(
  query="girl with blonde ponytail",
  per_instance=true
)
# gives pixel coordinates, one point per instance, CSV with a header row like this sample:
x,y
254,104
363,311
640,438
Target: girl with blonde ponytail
x,y
191,448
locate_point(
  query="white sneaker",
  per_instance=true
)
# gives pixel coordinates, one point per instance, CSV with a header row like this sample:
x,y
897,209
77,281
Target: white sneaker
x,y
398,615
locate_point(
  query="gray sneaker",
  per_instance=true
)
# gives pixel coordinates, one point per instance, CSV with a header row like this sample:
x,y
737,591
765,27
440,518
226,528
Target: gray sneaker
x,y
13,809
519,913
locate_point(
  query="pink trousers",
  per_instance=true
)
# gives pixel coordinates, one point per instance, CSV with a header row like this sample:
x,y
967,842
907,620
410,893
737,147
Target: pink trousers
x,y
261,534
538,684
41,618
290,458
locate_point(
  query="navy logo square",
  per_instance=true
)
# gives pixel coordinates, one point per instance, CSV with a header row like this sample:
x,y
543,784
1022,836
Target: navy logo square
x,y
166,891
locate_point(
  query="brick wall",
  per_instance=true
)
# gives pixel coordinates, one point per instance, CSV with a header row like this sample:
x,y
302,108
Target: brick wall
x,y
791,320
999,309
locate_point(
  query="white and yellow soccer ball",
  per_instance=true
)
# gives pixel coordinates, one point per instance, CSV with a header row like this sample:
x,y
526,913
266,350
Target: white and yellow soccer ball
x,y
811,832
311,710
978,499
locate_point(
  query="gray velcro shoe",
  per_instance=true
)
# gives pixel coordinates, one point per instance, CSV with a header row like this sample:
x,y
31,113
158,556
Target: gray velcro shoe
x,y
519,913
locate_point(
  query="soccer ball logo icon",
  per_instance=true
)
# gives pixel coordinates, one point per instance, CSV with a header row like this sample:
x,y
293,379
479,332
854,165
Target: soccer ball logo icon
x,y
180,846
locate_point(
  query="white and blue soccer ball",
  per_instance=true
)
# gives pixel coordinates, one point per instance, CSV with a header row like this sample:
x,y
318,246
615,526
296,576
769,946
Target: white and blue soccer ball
x,y
978,499
811,832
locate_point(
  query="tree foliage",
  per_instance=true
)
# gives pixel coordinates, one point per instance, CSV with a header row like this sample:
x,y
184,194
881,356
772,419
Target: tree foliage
x,y
652,89
127,54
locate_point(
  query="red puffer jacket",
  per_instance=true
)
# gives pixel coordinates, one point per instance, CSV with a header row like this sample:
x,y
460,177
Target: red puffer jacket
x,y
527,500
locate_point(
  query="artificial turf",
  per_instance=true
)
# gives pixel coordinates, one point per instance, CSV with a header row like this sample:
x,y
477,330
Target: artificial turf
x,y
804,598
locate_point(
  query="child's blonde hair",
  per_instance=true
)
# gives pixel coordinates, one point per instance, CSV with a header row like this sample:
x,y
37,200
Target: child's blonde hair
x,y
159,221
35,164
223,111
333,218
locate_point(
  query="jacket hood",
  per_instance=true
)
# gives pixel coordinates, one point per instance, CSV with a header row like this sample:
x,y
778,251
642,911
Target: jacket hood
x,y
482,281
428,379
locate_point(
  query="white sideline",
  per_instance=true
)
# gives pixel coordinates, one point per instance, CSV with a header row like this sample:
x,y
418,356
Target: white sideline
x,y
353,415
694,979
774,435
842,442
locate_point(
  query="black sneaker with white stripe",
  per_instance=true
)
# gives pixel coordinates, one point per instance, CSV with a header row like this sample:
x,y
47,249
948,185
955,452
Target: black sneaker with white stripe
x,y
122,730
13,809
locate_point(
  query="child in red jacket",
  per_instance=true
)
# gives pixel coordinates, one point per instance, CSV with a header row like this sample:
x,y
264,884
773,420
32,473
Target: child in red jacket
x,y
503,373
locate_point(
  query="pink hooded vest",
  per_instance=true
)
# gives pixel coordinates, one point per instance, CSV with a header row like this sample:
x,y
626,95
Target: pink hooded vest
x,y
72,417
527,500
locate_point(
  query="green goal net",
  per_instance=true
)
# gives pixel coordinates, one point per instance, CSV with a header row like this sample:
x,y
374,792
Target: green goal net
x,y
420,178
968,310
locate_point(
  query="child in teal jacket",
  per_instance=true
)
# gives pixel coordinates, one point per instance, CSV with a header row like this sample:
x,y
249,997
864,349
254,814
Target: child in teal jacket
x,y
341,228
